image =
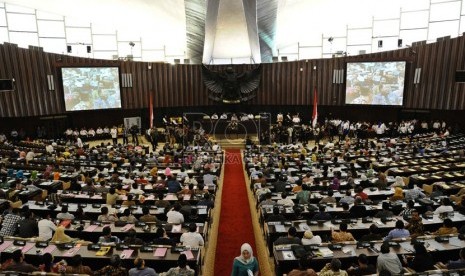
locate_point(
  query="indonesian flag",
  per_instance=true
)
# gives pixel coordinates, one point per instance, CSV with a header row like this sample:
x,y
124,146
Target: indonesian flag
x,y
315,109
151,110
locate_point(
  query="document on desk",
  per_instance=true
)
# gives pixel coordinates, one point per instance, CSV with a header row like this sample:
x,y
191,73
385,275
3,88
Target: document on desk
x,y
304,226
189,254
407,247
288,255
49,249
91,228
5,245
279,228
325,252
27,247
160,252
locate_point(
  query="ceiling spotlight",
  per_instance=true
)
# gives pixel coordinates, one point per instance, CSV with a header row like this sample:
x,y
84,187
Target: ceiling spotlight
x,y
330,39
132,44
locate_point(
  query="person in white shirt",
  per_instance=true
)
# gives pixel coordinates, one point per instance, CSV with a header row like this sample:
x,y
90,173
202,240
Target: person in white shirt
x,y
192,238
83,132
64,214
309,238
91,132
214,116
285,201
46,228
445,207
174,215
49,149
99,131
135,189
114,135
106,130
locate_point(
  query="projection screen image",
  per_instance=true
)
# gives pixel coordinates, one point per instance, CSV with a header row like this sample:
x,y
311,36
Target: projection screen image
x,y
90,88
375,83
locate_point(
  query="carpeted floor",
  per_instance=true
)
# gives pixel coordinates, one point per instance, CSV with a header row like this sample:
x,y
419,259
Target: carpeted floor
x,y
235,226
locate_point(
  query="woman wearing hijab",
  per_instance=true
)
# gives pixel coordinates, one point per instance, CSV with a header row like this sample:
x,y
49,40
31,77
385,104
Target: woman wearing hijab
x,y
398,194
60,236
246,263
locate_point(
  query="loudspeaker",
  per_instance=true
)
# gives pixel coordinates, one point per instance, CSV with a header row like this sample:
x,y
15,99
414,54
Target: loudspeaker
x,y
380,44
89,49
460,76
275,59
69,49
7,85
177,61
187,61
283,58
399,43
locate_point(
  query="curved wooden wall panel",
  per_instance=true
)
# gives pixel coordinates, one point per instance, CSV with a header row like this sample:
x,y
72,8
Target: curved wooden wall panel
x,y
283,83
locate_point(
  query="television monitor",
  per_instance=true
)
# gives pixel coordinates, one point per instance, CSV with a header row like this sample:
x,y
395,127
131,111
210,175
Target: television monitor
x,y
91,88
375,83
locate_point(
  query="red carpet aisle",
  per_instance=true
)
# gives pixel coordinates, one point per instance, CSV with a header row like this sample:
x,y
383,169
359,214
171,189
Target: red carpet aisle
x,y
235,226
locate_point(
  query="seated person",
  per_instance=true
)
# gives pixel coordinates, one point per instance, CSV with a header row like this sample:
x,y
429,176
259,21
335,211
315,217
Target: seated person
x,y
385,212
398,194
146,216
132,238
60,236
128,217
373,235
64,214
75,266
398,232
291,237
192,238
105,216
309,238
421,261
329,199
333,268
445,207
459,264
322,214
181,269
162,238
342,235
107,237
447,228
305,264
388,261
348,198
358,210
174,216
276,216
415,225
363,267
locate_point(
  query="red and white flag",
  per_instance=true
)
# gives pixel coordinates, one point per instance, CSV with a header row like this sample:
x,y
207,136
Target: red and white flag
x,y
315,109
151,110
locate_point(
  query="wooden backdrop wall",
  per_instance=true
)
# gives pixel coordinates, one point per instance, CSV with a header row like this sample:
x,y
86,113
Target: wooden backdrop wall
x,y
284,83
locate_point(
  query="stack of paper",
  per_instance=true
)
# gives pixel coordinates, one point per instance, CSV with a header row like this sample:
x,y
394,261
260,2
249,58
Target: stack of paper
x,y
288,255
325,252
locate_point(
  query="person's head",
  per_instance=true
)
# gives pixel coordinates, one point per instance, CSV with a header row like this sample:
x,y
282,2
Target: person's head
x,y
349,193
64,209
322,208
160,233
345,206
284,195
362,259
76,260
358,201
330,193
448,223
415,214
400,224
343,227
373,229
192,227
275,210
308,234
335,265
104,210
177,207
385,272
385,206
182,261
385,248
411,204
139,263
17,256
145,210
246,251
115,260
292,232
446,201
420,248
112,190
106,231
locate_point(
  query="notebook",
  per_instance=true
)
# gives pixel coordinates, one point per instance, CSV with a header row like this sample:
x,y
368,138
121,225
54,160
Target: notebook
x,y
91,228
126,254
189,254
160,252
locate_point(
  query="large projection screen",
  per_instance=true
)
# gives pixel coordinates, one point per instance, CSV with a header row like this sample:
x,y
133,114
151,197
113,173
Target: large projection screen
x,y
375,83
91,88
